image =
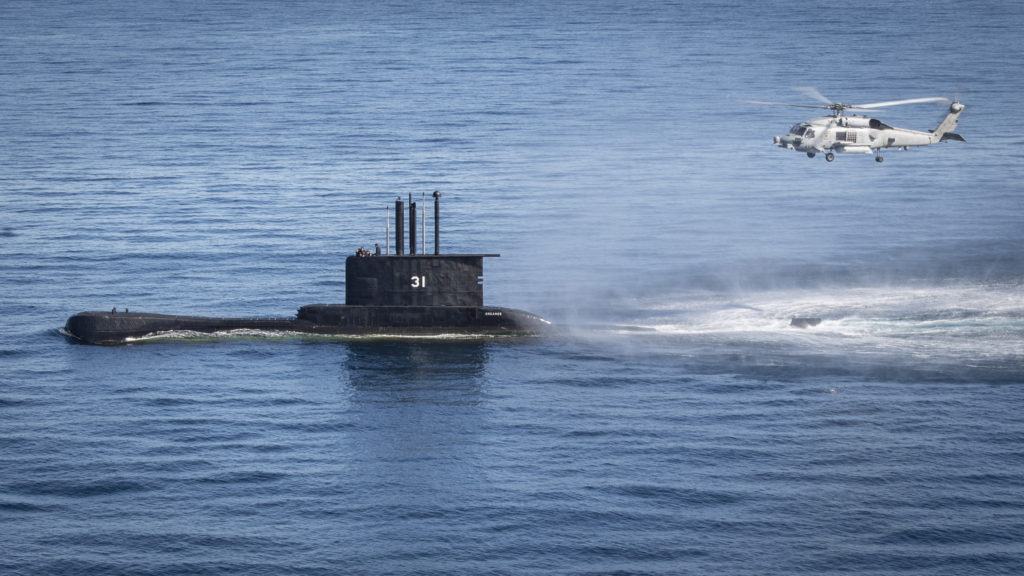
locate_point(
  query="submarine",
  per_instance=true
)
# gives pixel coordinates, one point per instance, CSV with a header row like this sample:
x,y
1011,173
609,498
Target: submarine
x,y
385,295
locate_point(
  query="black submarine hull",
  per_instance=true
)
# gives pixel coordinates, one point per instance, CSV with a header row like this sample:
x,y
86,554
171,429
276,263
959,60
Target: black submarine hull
x,y
385,295
116,328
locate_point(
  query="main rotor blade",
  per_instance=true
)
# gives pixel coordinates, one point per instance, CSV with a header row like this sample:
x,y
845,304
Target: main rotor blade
x,y
901,102
813,93
780,104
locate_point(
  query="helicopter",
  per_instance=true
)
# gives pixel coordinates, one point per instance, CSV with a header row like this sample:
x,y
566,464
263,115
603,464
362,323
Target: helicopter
x,y
854,134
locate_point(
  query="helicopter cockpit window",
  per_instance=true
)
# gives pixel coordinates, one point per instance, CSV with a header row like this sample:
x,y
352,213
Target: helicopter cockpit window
x,y
809,133
797,130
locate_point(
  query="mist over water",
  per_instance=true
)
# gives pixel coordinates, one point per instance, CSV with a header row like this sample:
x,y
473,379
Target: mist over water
x,y
223,158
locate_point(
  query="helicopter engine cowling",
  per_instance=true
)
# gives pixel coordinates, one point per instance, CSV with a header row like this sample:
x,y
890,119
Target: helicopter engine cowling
x,y
857,122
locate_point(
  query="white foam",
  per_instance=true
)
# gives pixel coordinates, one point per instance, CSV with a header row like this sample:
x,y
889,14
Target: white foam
x,y
962,320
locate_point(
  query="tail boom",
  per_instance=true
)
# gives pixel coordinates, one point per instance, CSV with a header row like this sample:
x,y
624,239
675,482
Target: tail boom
x,y
945,129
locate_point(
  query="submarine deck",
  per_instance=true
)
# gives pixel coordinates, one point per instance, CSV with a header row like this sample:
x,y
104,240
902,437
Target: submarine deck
x,y
114,328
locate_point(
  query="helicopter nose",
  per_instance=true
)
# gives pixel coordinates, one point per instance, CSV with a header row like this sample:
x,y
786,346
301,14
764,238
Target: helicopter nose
x,y
778,140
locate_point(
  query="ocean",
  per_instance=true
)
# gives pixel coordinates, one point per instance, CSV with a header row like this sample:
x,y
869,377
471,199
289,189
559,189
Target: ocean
x,y
224,157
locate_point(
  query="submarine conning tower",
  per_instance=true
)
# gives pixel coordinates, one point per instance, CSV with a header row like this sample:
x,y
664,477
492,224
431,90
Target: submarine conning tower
x,y
414,279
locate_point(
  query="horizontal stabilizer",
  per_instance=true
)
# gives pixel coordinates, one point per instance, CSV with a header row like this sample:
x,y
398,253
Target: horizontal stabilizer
x,y
952,136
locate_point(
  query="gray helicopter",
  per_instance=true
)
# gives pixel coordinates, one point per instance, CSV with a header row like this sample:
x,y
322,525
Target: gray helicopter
x,y
854,134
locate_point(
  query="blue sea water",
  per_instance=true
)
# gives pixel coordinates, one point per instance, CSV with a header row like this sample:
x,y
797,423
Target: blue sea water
x,y
222,158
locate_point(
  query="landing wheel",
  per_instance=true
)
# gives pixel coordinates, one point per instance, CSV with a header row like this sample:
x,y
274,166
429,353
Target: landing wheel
x,y
810,154
830,157
879,159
